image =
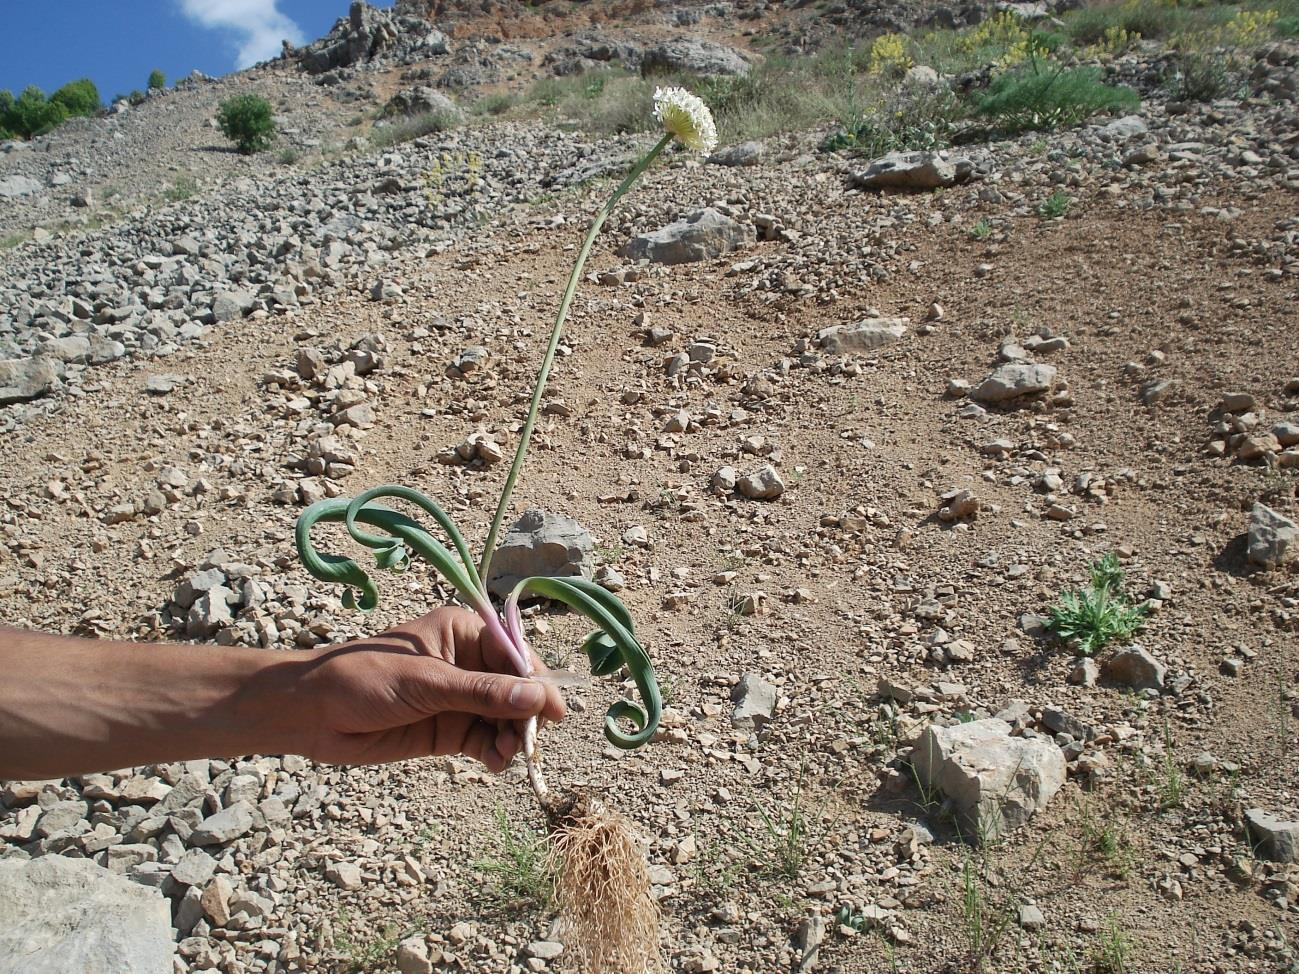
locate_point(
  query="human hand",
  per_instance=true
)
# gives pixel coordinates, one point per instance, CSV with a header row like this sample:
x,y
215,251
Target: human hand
x,y
441,684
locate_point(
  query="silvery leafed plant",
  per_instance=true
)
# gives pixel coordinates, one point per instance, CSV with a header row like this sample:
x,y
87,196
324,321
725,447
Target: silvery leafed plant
x,y
601,882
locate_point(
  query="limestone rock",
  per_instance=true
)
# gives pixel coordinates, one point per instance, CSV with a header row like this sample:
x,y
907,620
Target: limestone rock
x,y
1272,838
12,187
693,56
421,100
764,484
225,826
1134,667
744,154
541,543
862,336
755,702
913,170
59,915
1013,381
23,379
995,782
702,235
1273,538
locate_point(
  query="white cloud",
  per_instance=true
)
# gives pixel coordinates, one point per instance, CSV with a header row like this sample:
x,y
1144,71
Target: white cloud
x,y
257,24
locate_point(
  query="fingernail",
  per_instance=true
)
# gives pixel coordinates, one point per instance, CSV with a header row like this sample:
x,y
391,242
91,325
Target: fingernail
x,y
527,695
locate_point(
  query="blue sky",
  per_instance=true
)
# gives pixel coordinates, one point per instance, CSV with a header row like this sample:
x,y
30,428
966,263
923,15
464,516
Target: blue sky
x,y
116,43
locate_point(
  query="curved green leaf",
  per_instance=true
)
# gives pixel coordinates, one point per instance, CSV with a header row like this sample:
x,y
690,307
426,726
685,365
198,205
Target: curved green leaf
x,y
608,612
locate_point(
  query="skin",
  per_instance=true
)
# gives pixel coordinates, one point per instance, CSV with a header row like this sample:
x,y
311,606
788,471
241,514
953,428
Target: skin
x,y
437,685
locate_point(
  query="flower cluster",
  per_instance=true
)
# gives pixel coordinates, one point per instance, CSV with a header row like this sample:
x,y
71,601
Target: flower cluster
x,y
687,117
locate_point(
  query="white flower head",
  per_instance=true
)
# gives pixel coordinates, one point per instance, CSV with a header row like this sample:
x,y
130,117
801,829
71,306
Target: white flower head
x,y
687,117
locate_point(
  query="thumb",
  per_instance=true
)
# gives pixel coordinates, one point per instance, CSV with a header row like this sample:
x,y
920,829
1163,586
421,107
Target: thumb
x,y
495,696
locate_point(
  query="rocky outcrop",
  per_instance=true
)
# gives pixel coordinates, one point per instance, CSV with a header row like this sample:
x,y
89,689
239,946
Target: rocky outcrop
x,y
368,33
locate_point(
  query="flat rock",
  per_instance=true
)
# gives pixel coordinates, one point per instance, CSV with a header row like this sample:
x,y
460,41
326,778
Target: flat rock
x,y
995,782
225,826
702,235
59,915
862,336
24,379
1015,380
1273,538
541,543
12,187
913,170
1272,838
744,154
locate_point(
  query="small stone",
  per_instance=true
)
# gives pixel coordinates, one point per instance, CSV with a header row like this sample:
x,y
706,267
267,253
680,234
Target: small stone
x,y
755,702
413,957
1134,667
225,826
344,875
545,949
763,484
1031,918
1273,538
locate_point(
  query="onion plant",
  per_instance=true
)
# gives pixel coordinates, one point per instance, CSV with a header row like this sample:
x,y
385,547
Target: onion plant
x,y
602,884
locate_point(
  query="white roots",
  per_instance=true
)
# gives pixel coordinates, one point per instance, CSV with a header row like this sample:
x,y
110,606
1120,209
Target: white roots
x,y
610,920
532,757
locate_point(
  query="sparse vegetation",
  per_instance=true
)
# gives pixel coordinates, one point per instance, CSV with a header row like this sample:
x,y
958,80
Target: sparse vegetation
x,y
157,80
1055,206
1194,76
517,869
1093,617
1113,945
409,129
1048,96
182,188
247,121
981,230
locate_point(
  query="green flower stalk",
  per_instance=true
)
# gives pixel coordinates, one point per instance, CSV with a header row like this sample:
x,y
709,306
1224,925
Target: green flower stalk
x,y
613,645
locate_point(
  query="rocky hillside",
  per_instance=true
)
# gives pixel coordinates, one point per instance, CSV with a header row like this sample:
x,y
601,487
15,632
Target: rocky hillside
x,y
926,350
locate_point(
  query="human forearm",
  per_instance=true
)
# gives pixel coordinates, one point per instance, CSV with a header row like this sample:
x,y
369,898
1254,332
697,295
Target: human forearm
x,y
71,706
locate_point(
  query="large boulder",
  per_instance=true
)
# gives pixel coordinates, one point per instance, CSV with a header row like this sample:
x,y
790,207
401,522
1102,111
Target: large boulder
x,y
702,235
421,100
995,782
1273,538
693,56
540,543
1015,380
867,335
22,379
59,915
913,170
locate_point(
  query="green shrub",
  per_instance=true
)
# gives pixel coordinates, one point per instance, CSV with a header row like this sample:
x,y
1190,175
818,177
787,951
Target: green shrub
x,y
78,98
157,80
1054,206
247,121
30,114
1040,97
